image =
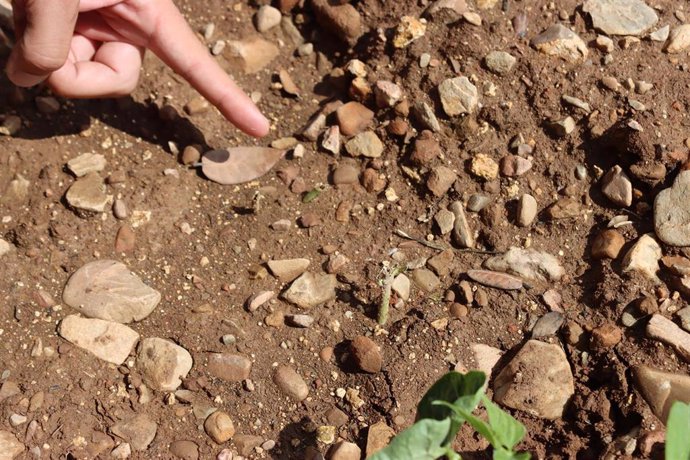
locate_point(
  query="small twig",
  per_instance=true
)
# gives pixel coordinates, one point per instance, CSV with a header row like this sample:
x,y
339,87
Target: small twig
x,y
426,243
387,284
440,247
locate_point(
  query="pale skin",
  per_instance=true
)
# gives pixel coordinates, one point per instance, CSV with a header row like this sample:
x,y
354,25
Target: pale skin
x,y
94,48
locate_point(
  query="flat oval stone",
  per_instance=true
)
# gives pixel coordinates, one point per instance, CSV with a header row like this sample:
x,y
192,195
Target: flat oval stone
x,y
106,289
239,164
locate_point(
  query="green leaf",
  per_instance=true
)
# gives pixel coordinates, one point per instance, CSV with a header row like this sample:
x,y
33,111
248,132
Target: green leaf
x,y
509,432
504,454
480,426
421,441
677,429
464,390
461,390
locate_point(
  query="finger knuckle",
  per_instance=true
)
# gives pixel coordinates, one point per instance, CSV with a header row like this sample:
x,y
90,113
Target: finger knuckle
x,y
43,61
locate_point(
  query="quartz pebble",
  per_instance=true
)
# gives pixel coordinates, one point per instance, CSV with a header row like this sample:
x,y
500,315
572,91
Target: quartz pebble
x,y
267,18
616,186
643,257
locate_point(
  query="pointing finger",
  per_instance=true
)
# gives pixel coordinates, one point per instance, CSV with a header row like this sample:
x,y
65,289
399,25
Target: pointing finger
x,y
176,44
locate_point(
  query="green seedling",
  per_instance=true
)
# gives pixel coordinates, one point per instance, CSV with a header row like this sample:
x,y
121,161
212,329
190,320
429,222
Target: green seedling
x,y
441,413
677,429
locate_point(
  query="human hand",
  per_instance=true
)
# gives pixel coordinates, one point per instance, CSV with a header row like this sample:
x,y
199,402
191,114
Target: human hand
x,y
94,48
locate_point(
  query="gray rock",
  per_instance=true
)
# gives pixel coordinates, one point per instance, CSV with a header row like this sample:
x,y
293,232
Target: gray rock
x,y
122,451
678,39
462,234
10,447
621,17
366,144
163,364
425,114
5,247
290,383
184,450
107,340
663,329
444,221
106,289
526,210
477,202
401,286
138,431
499,62
561,42
88,194
458,96
548,324
446,11
672,212
425,279
616,186
288,269
267,18
343,450
643,257
563,127
87,163
529,264
17,192
684,316
120,209
303,321
538,380
485,357
310,290
219,427
661,389
661,34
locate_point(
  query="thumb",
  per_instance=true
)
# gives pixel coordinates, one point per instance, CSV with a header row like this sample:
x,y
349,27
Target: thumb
x,y
45,29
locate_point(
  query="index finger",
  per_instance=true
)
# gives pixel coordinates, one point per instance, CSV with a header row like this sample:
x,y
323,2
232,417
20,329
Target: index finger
x,y
177,45
45,29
